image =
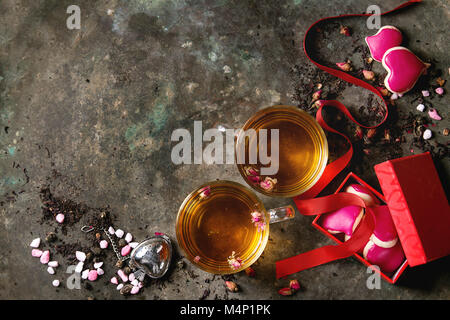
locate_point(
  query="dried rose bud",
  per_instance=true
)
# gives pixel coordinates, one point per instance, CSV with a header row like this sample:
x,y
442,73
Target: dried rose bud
x,y
383,91
440,81
232,286
250,171
345,31
268,183
344,66
366,151
358,132
369,60
368,75
319,86
371,133
316,95
294,285
256,216
205,192
98,236
254,179
387,135
445,132
250,272
286,292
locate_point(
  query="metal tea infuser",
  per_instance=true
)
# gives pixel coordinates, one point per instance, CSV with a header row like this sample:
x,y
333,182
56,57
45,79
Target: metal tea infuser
x,y
150,257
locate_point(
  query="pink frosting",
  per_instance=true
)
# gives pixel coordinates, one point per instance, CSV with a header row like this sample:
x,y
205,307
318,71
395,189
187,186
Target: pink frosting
x,y
384,227
342,220
404,69
387,37
388,259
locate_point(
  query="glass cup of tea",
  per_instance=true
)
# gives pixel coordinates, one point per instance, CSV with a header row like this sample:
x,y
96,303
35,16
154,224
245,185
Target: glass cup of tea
x,y
302,151
223,227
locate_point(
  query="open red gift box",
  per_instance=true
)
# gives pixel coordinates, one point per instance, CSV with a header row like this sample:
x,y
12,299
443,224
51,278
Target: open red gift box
x,y
418,206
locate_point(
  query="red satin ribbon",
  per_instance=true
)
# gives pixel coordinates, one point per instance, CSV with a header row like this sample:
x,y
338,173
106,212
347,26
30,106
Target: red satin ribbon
x,y
333,202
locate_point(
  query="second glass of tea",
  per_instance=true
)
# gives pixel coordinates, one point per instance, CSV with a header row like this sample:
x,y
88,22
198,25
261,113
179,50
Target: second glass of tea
x,y
303,151
223,227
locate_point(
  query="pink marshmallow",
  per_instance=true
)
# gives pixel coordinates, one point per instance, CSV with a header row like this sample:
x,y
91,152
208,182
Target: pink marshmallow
x,y
343,220
364,193
45,257
36,253
92,275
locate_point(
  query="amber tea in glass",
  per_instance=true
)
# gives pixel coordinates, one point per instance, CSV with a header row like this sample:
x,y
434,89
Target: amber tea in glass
x,y
223,227
303,151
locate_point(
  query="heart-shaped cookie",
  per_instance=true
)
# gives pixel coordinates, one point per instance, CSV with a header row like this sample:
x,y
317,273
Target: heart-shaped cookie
x,y
387,37
404,69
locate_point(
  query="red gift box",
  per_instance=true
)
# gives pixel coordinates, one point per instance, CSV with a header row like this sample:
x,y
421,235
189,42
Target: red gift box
x,y
418,205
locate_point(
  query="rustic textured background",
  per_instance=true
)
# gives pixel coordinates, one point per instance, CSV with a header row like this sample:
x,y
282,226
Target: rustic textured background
x,y
88,114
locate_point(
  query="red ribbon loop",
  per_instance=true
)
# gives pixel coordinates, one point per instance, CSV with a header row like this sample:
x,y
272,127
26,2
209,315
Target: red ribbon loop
x,y
333,202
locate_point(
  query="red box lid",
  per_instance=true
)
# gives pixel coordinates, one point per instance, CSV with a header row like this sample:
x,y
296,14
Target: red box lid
x,y
418,206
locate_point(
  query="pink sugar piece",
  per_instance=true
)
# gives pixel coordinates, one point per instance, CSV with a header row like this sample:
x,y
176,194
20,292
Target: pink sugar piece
x,y
425,93
114,280
122,275
36,253
125,250
59,218
128,237
81,256
53,264
103,244
343,220
35,243
134,290
92,275
120,286
131,277
45,257
387,37
434,114
439,91
100,271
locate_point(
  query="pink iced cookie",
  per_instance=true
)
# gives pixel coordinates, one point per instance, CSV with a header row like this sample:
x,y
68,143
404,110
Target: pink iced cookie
x,y
404,69
387,259
343,220
385,234
364,193
387,37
